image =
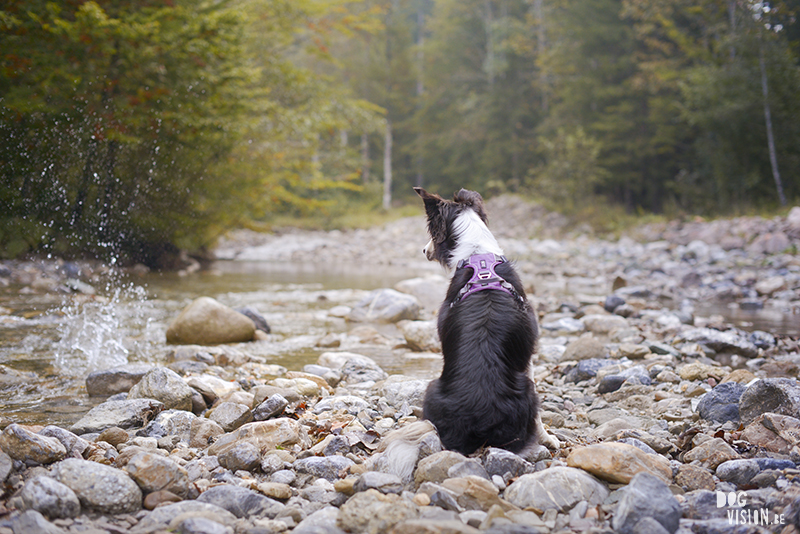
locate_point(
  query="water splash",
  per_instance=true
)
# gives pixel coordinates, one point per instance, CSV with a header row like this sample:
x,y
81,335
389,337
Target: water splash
x,y
104,331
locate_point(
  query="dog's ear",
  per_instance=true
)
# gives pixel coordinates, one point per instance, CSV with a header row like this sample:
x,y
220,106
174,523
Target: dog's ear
x,y
473,200
431,201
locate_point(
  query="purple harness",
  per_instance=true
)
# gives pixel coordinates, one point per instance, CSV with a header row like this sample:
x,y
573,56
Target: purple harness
x,y
484,277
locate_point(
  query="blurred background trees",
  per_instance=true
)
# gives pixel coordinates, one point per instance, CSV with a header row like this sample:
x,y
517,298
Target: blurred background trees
x,y
138,127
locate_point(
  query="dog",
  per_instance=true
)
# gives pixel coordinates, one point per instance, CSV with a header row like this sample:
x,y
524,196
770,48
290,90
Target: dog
x,y
488,330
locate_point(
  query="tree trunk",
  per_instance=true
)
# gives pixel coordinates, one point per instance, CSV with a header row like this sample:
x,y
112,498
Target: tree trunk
x,y
540,48
387,166
364,158
489,44
773,157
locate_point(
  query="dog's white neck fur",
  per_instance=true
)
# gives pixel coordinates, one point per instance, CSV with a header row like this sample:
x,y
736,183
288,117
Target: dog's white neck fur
x,y
472,237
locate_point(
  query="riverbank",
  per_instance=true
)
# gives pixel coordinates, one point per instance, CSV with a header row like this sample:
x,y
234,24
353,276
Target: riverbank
x,y
660,407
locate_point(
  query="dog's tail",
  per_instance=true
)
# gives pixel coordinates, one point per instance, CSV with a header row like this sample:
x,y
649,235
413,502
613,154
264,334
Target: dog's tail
x,y
400,451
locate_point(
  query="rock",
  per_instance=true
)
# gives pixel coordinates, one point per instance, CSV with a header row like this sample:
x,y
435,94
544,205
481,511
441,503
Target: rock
x,y
242,456
121,413
619,462
699,371
202,525
603,324
427,526
337,360
372,512
773,432
610,383
563,326
50,498
207,322
768,286
646,496
352,404
612,302
429,290
31,521
165,386
230,415
275,490
729,342
161,519
470,467
75,445
155,473
6,466
241,502
383,482
475,493
505,463
107,382
399,390
692,477
587,369
434,468
584,348
385,306
775,395
421,336
271,407
159,498
22,444
556,488
99,488
172,423
711,453
202,432
327,467
721,404
322,521
355,371
740,376
769,243
265,435
633,351
258,319
741,472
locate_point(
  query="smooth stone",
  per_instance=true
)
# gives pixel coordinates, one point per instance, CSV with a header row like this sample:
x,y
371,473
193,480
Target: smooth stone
x,y
400,389
699,371
619,462
242,456
610,383
586,369
421,336
265,435
172,423
241,502
358,371
327,467
202,525
230,415
207,322
721,404
469,467
434,468
711,453
161,518
727,342
107,382
741,472
604,324
271,407
158,498
612,302
429,290
323,521
153,472
372,512
385,306
475,493
114,436
258,320
774,395
586,347
203,432
50,498
646,496
165,386
443,526
99,487
6,466
383,482
275,490
557,488
26,446
121,413
352,404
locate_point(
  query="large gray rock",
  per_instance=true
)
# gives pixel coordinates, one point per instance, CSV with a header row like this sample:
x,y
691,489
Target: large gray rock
x,y
327,467
74,444
50,498
646,496
557,488
166,386
721,404
372,512
385,306
421,335
31,521
175,423
207,322
429,290
265,435
99,487
22,444
241,502
400,389
107,382
728,342
122,413
775,395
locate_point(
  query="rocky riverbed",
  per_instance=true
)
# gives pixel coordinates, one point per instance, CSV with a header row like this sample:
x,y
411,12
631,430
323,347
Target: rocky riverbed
x,y
670,417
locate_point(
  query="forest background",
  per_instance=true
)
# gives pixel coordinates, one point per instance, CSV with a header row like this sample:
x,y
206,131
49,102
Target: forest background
x,y
131,128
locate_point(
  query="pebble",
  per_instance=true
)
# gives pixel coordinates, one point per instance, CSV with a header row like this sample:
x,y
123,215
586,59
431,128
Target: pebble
x,y
646,497
619,462
556,488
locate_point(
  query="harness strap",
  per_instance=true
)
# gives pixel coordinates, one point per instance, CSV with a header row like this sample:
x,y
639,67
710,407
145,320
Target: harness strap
x,y
484,277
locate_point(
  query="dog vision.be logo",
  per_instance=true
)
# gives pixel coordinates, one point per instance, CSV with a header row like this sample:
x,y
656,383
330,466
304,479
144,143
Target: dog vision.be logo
x,y
735,502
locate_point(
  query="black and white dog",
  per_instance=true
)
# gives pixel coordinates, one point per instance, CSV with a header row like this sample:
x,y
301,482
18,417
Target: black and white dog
x,y
488,330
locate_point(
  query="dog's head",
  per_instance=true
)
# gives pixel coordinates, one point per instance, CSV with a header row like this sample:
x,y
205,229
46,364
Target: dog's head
x,y
456,227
